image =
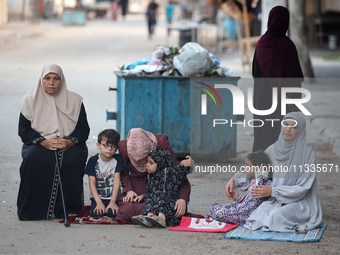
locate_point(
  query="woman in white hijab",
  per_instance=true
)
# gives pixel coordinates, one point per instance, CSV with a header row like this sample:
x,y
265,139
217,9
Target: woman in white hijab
x,y
294,204
51,119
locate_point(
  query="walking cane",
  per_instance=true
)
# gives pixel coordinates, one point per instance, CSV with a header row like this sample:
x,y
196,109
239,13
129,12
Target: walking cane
x,y
67,222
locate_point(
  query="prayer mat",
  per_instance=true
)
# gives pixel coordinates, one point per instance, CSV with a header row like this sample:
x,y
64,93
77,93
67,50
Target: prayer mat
x,y
84,218
203,225
245,234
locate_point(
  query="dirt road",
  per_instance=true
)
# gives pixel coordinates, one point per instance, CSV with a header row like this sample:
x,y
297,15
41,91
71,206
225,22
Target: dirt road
x,y
88,56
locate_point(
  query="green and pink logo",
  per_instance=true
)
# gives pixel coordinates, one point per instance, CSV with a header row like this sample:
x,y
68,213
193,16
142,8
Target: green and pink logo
x,y
204,97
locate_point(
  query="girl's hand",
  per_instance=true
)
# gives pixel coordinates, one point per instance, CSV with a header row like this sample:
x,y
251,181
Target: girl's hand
x,y
229,188
180,208
188,161
138,199
114,207
100,209
261,191
234,195
130,195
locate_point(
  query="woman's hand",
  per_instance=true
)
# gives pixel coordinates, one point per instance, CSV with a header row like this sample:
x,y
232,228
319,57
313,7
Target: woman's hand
x,y
229,188
51,144
138,199
180,208
130,195
114,207
57,143
65,144
261,191
188,161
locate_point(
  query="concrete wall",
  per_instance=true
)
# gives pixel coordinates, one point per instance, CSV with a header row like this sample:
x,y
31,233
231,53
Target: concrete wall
x,y
15,8
330,5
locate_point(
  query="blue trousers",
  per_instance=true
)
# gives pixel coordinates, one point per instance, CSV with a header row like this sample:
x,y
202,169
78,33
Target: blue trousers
x,y
106,202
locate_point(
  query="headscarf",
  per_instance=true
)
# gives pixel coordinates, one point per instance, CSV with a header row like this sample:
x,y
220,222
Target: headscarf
x,y
291,154
51,115
162,157
276,54
139,144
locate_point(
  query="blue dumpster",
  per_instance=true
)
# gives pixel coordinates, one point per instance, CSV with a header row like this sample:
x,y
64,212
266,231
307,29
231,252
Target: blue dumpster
x,y
77,18
209,143
167,105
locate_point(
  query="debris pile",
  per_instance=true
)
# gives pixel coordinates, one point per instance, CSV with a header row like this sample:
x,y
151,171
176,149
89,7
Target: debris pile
x,y
192,60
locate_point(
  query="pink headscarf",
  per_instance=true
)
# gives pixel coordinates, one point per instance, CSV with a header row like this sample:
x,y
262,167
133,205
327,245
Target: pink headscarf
x,y
139,144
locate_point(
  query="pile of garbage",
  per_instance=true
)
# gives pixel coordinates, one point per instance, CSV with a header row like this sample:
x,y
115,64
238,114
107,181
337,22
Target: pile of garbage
x,y
191,60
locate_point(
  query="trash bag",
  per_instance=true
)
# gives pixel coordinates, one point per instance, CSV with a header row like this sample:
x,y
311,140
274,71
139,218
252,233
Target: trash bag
x,y
193,58
137,63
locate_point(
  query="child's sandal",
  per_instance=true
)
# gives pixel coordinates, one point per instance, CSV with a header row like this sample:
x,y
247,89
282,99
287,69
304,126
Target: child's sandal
x,y
157,222
142,222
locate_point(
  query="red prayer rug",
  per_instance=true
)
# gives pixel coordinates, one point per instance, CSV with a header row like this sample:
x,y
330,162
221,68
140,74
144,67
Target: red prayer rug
x,y
203,225
84,218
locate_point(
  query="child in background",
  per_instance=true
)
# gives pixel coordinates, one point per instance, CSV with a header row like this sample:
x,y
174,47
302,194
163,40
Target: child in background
x,y
169,10
256,165
104,170
164,181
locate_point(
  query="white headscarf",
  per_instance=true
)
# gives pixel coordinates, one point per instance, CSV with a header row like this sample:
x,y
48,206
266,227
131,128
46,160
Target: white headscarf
x,y
51,115
291,154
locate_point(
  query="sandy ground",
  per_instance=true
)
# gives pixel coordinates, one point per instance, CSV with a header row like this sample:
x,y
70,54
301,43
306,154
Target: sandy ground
x,y
88,56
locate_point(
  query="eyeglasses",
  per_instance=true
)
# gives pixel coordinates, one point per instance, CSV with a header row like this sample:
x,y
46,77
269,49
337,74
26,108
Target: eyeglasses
x,y
109,146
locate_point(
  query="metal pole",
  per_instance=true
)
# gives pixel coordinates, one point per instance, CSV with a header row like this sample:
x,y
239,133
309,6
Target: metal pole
x,y
35,10
23,9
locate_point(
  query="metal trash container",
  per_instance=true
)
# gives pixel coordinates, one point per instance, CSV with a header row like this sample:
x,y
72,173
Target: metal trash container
x,y
161,105
185,36
77,18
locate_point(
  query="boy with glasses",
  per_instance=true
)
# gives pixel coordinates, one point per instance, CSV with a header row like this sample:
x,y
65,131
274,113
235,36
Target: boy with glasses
x,y
104,170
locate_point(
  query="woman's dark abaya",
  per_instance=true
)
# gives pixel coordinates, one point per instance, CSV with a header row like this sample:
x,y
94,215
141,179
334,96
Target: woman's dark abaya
x,y
39,193
275,64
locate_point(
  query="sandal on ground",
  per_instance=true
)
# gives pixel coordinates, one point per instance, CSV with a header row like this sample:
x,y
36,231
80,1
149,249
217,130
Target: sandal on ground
x,y
142,222
157,222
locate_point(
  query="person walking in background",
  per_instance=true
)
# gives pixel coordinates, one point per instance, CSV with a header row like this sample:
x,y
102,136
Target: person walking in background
x,y
114,8
124,5
151,16
275,65
169,10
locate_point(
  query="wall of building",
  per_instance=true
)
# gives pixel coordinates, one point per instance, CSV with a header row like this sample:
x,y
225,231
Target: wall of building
x,y
330,5
15,8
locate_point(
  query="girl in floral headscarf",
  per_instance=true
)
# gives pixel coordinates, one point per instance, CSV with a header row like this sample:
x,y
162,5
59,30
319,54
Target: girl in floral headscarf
x,y
164,181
